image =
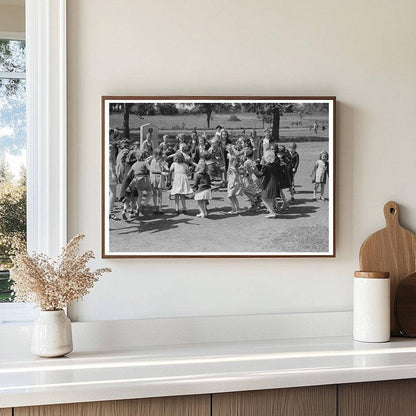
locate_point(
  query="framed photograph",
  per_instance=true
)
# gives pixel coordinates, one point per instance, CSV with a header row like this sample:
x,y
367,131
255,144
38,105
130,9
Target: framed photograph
x,y
218,176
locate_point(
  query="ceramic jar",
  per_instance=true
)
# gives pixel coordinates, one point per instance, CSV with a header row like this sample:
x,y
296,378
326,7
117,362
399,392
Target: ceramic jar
x,y
52,334
371,312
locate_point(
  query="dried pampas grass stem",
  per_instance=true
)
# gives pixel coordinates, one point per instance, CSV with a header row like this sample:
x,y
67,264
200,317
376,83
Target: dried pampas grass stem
x,y
53,285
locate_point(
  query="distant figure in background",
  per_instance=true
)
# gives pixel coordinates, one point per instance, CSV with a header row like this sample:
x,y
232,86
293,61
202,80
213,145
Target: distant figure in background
x,y
315,127
320,174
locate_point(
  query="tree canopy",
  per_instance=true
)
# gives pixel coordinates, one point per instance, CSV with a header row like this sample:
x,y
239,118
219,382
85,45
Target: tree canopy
x,y
12,213
12,97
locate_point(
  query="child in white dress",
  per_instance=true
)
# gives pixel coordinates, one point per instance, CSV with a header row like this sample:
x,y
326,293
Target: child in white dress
x,y
180,185
320,174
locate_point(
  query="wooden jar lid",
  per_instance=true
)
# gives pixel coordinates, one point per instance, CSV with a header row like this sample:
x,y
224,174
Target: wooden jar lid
x,y
372,275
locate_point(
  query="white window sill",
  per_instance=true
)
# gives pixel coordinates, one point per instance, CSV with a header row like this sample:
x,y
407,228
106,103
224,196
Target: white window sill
x,y
16,313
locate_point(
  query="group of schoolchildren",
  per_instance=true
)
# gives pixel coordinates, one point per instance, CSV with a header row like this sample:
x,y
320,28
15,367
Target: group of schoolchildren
x,y
251,167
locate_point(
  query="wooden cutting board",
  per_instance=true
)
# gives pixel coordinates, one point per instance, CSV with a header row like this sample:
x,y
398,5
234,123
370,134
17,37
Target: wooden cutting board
x,y
405,306
393,250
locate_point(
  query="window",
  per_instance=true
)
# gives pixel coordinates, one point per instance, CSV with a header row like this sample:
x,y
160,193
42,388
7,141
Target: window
x,y
12,154
45,90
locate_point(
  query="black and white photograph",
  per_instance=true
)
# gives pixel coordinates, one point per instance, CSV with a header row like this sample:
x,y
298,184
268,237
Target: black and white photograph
x,y
218,176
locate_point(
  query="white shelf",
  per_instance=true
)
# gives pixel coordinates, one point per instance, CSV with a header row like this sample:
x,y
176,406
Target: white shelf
x,y
150,371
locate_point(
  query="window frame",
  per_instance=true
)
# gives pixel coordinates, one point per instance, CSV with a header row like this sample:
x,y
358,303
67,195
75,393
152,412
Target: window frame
x,y
46,135
14,312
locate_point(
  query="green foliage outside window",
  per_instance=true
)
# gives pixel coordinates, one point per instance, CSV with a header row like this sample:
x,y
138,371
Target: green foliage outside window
x,y
12,146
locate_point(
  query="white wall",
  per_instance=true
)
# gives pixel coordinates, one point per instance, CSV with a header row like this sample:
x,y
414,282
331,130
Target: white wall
x,y
361,51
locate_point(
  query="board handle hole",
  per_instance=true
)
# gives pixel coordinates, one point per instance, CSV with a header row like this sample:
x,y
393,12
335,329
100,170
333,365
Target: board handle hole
x,y
392,211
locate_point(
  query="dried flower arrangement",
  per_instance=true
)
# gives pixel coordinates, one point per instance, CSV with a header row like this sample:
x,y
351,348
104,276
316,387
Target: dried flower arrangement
x,y
53,285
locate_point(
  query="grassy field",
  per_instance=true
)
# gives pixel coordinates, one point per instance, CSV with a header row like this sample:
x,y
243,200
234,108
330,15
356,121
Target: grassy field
x,y
289,124
303,229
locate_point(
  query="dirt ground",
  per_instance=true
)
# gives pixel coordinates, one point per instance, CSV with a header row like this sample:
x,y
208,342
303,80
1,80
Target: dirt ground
x,y
304,228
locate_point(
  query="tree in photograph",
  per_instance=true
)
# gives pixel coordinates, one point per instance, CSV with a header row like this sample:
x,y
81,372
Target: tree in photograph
x,y
140,110
276,110
167,109
265,110
126,120
206,109
304,109
144,109
209,108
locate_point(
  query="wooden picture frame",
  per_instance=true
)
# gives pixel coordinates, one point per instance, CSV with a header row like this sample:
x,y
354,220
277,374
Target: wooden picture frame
x,y
308,121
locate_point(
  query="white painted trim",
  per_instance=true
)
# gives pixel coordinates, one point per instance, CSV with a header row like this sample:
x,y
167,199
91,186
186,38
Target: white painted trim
x,y
46,124
12,75
46,133
16,312
138,333
12,35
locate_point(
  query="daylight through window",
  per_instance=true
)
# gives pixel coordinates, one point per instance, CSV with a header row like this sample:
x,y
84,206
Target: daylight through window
x,y
12,156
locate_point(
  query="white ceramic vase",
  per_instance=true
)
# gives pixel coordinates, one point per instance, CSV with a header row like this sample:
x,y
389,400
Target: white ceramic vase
x,y
52,334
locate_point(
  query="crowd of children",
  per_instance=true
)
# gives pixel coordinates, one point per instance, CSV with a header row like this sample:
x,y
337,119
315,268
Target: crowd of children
x,y
261,171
